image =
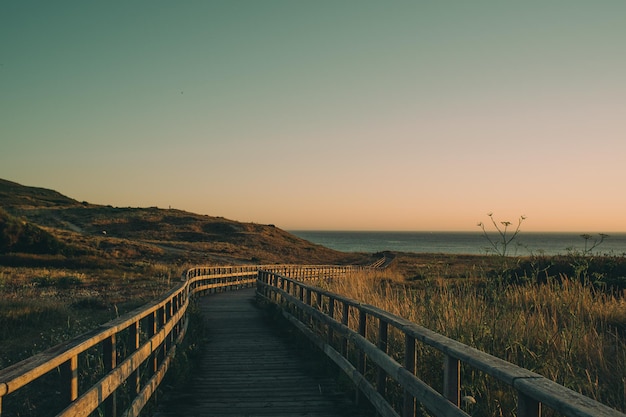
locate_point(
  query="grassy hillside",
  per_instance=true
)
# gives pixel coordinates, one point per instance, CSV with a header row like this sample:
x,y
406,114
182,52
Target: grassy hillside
x,y
151,233
13,194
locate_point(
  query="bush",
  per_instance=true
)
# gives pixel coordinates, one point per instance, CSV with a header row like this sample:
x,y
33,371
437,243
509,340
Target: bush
x,y
20,236
604,272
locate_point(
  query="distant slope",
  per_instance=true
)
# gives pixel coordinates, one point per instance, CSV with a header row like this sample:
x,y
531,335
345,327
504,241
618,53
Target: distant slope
x,y
165,234
13,194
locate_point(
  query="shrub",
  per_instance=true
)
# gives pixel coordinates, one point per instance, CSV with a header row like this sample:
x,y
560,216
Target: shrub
x,y
20,236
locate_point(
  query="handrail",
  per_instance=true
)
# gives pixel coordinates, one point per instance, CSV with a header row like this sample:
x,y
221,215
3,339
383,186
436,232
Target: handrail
x,y
135,349
325,318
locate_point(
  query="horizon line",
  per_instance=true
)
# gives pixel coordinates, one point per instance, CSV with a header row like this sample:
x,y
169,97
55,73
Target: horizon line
x,y
446,231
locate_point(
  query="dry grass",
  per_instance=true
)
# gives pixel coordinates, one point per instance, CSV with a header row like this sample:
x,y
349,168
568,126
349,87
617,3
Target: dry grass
x,y
564,330
41,307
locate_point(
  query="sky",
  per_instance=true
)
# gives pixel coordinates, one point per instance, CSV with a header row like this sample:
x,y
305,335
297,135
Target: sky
x,y
323,115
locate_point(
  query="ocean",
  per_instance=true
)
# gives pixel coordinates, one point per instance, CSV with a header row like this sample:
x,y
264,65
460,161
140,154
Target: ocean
x,y
473,243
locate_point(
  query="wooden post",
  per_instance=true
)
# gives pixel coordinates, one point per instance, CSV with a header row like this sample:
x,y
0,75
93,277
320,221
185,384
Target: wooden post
x,y
268,291
69,377
331,314
162,316
109,353
170,314
266,279
133,345
301,297
260,276
452,380
270,280
527,407
383,336
306,317
410,363
152,329
344,320
363,332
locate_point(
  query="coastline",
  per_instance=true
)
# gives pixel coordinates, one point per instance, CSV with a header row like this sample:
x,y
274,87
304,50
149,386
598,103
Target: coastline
x,y
465,242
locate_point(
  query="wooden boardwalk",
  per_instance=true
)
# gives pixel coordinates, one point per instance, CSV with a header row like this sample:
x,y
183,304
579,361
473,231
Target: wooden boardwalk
x,y
248,369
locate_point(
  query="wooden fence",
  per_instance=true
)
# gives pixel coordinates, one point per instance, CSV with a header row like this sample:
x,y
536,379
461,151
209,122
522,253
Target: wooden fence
x,y
356,337
116,368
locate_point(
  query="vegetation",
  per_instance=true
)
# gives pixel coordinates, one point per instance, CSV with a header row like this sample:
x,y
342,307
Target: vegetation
x,y
501,244
565,329
591,243
20,236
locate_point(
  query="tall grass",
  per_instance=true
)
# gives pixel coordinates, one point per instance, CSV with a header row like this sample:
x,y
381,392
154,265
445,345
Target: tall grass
x,y
564,329
41,307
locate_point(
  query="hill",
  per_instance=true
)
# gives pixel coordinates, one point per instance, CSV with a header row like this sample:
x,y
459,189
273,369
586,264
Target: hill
x,y
21,236
116,234
13,194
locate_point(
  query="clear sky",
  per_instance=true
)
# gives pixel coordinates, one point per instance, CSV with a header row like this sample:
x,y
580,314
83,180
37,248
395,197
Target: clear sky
x,y
371,115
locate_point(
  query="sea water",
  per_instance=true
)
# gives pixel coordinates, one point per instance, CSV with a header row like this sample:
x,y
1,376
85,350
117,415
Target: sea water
x,y
473,243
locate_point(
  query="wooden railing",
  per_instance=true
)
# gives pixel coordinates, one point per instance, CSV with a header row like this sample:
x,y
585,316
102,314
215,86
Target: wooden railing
x,y
357,336
116,368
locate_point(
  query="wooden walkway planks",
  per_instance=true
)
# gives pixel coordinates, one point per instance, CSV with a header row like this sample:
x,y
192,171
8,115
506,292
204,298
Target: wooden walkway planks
x,y
249,370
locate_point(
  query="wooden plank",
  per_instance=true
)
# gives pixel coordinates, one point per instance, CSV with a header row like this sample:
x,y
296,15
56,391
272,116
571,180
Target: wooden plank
x,y
248,369
563,400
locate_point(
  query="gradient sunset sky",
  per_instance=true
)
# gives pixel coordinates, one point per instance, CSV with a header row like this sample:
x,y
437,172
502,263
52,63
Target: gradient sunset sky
x,y
348,115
